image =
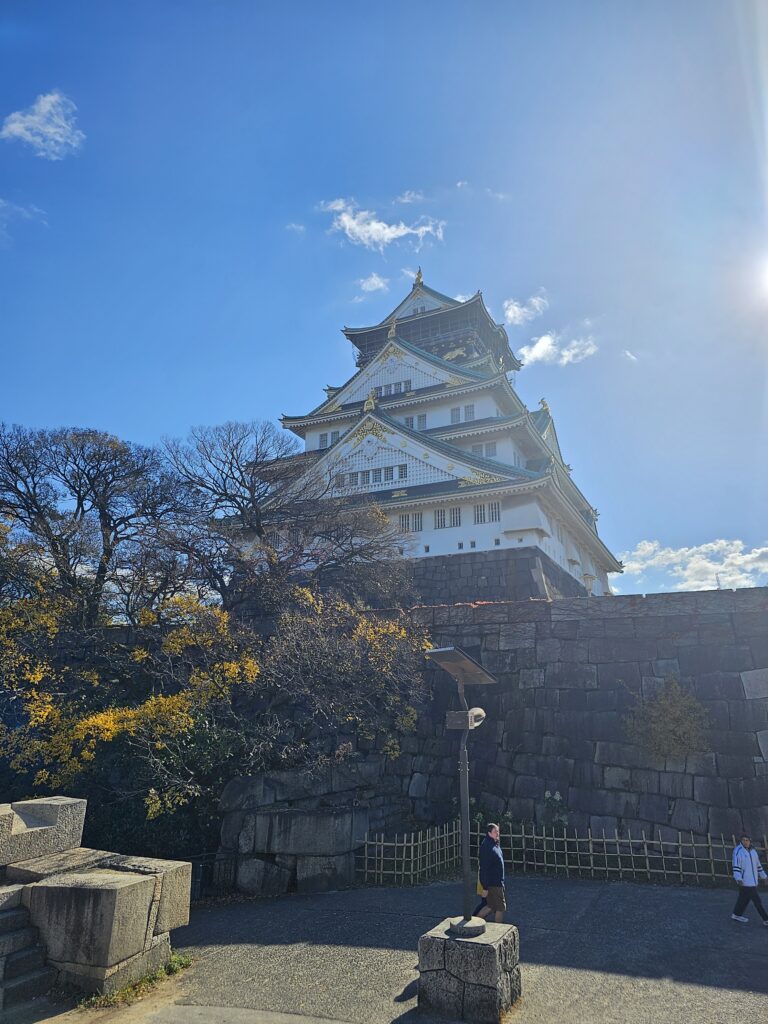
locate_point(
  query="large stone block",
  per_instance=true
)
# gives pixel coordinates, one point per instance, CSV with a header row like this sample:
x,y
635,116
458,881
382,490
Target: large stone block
x,y
262,878
689,816
92,978
175,880
676,784
96,918
474,979
323,874
35,828
324,832
755,683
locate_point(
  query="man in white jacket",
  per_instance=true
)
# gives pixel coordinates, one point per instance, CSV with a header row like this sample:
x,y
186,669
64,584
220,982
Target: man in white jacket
x,y
747,871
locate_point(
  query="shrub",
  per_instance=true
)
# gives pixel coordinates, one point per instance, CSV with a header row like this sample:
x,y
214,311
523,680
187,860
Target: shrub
x,y
673,723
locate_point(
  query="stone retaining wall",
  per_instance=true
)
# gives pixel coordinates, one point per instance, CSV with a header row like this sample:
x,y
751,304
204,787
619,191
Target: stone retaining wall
x,y
569,671
509,574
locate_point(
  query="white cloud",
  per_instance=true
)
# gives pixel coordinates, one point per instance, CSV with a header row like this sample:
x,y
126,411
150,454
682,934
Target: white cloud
x,y
10,212
549,349
517,313
462,184
410,196
462,298
408,272
502,196
374,283
698,567
363,227
297,229
630,356
48,126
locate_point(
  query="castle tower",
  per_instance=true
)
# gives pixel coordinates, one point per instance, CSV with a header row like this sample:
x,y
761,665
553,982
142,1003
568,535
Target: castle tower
x,y
431,426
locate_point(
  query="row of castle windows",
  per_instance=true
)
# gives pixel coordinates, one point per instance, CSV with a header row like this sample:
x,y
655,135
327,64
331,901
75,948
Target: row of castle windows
x,y
324,439
469,414
460,545
369,476
490,513
398,388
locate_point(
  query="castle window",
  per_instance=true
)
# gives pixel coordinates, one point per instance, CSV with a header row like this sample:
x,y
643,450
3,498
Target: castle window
x,y
365,477
387,390
479,514
339,480
389,473
405,522
472,544
439,518
460,545
422,422
377,392
334,436
456,415
398,387
477,449
409,422
494,512
353,479
517,459
417,522
406,385
323,441
497,541
469,412
455,517
490,450
376,476
426,549
402,471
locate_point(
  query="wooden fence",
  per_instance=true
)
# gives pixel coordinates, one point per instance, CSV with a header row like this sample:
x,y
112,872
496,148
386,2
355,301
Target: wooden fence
x,y
412,857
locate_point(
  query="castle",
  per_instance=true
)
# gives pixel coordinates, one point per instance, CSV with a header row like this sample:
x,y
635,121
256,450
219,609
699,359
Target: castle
x,y
431,426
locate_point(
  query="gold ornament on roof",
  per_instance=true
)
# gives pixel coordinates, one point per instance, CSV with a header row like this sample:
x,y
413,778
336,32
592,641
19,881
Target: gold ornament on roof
x,y
370,402
454,353
543,404
479,478
392,332
371,427
419,279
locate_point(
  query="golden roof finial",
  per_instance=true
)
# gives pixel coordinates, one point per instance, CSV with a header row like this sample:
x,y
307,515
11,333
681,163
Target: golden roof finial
x,y
392,332
543,404
370,402
419,279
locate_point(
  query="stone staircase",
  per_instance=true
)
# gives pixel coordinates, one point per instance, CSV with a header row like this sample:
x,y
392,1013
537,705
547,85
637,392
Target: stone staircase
x,y
23,970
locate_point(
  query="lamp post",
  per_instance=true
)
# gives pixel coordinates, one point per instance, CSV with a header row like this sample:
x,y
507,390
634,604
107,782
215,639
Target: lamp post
x,y
466,672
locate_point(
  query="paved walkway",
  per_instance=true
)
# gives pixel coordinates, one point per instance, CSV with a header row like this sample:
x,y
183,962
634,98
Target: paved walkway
x,y
603,953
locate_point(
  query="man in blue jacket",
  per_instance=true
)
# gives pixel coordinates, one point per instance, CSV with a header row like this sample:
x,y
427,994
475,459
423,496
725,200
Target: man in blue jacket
x,y
747,872
492,874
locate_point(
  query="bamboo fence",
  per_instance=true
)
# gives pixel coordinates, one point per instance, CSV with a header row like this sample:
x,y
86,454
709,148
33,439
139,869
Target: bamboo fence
x,y
412,857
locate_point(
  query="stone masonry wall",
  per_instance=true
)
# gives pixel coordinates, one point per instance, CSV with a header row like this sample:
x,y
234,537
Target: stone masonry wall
x,y
569,670
509,574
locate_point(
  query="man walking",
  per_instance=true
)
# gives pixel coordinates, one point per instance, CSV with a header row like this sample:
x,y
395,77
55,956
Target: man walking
x,y
492,874
747,870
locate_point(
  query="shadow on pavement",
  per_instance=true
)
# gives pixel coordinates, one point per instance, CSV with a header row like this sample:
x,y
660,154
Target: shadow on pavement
x,y
684,935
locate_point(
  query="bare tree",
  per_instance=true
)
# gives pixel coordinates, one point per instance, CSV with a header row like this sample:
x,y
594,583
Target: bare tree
x,y
80,499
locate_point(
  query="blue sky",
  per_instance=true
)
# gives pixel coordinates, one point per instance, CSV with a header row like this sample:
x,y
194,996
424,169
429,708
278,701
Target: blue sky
x,y
192,193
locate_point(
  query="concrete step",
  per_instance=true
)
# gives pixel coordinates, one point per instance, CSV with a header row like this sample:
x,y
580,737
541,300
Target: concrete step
x,y
23,962
12,942
26,986
12,920
10,896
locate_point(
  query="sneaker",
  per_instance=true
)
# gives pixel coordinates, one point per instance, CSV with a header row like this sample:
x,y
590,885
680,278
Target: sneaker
x,y
742,920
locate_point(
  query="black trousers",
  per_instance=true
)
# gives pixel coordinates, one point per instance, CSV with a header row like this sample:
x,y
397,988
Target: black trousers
x,y
747,893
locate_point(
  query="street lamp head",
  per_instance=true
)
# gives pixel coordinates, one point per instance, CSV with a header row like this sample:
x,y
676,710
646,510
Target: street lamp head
x,y
458,664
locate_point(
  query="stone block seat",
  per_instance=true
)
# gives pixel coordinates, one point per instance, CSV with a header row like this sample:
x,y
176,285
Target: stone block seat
x,y
103,919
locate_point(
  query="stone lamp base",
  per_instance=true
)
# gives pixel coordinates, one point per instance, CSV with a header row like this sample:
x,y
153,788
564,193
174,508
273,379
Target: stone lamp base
x,y
476,978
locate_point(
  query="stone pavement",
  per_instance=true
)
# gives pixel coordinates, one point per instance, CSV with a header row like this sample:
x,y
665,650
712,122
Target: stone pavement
x,y
597,952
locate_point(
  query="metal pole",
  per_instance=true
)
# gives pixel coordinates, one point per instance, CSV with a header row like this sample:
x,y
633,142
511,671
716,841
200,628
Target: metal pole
x,y
464,795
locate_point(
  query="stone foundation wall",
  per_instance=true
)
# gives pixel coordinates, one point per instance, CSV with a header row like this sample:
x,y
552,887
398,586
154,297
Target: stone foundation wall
x,y
509,574
569,671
